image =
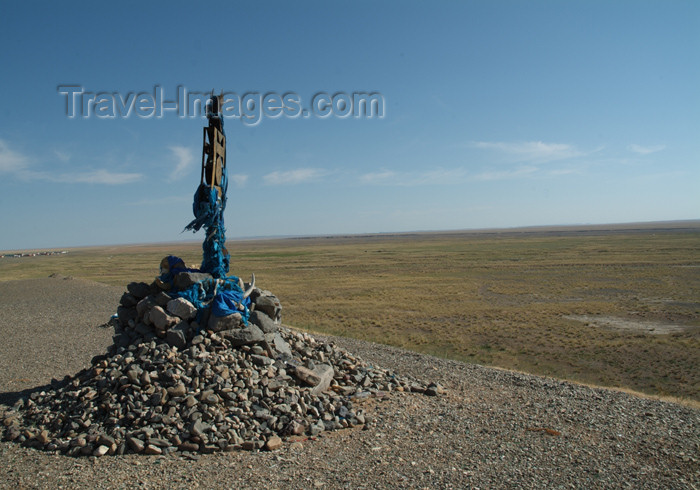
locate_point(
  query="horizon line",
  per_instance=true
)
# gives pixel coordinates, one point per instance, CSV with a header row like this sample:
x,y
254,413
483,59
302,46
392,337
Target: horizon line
x,y
629,226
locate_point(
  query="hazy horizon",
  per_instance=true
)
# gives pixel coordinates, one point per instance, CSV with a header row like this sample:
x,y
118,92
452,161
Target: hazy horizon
x,y
631,226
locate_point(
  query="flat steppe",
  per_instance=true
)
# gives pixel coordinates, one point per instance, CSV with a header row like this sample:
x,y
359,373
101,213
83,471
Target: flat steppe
x,y
494,428
615,306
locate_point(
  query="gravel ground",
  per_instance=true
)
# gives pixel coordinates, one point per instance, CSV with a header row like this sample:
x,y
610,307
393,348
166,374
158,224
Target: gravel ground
x,y
493,428
50,328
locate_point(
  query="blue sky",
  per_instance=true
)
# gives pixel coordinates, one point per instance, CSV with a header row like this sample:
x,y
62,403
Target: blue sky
x,y
496,114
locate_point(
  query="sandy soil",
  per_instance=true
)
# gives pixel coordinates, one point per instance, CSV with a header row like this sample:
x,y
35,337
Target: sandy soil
x,y
641,326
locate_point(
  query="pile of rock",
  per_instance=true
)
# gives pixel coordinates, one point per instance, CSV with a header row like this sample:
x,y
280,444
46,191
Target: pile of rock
x,y
147,312
169,384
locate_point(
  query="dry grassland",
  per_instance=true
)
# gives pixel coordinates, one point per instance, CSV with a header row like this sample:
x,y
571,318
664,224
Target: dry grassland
x,y
548,302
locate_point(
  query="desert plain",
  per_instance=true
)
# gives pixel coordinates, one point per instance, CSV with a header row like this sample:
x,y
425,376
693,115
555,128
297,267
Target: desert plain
x,y
605,321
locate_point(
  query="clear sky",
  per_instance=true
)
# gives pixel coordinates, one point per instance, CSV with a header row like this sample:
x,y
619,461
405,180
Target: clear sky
x,y
495,114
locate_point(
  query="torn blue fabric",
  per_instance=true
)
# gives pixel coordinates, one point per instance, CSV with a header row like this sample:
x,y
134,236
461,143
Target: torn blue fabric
x,y
205,208
208,210
222,299
209,201
175,266
226,303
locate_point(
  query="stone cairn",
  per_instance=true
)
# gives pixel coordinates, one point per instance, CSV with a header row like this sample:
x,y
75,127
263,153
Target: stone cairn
x,y
179,379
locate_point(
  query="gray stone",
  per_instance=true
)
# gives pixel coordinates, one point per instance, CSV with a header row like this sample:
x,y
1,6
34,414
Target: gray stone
x,y
144,306
177,336
139,289
160,319
261,360
100,451
211,399
273,443
125,314
182,308
186,279
434,389
105,440
43,437
135,444
263,321
228,322
317,428
248,445
197,428
128,300
156,441
177,390
153,450
281,346
189,446
320,377
416,388
161,299
244,336
270,305
295,428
